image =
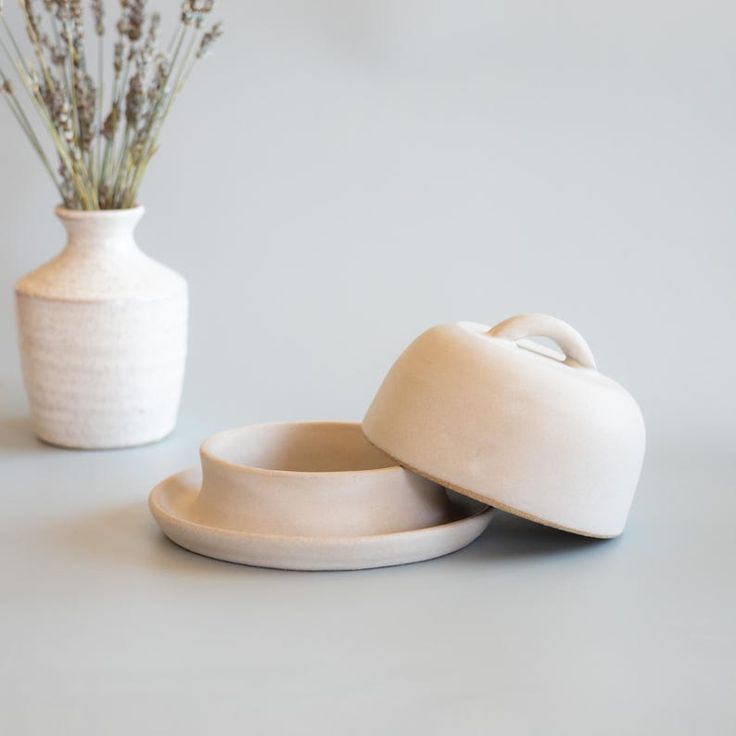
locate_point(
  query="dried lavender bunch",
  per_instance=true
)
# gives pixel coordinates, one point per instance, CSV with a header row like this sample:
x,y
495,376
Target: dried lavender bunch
x,y
104,139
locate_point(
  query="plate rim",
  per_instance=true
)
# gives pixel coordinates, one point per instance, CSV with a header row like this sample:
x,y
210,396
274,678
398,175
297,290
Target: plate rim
x,y
485,512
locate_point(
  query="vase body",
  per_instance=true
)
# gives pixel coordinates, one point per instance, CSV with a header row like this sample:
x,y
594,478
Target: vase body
x,y
103,335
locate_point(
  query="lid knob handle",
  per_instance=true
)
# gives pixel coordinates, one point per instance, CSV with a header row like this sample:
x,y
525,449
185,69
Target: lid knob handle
x,y
571,342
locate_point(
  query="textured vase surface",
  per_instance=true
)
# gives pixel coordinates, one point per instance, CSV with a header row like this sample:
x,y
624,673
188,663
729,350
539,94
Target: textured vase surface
x,y
103,336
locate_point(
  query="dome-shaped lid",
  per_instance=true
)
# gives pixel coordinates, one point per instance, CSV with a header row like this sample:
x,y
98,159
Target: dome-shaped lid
x,y
499,419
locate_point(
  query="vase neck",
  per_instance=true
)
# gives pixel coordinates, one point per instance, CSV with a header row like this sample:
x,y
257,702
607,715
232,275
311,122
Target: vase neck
x,y
103,229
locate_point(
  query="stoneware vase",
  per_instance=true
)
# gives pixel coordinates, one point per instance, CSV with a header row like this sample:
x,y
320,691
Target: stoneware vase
x,y
103,333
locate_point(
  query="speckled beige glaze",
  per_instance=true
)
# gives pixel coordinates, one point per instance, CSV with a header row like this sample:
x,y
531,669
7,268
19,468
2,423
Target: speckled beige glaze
x,y
507,423
103,332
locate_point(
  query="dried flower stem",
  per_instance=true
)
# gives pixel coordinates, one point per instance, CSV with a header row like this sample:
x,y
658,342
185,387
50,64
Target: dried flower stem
x,y
156,117
96,173
16,109
101,89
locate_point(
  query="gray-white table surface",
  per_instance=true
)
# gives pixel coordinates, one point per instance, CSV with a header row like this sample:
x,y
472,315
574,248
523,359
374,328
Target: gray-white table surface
x,y
109,628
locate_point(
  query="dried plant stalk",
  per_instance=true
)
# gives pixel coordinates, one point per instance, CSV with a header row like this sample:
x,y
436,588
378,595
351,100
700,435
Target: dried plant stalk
x,y
104,142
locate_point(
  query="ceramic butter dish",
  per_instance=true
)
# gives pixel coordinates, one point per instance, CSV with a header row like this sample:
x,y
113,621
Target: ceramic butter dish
x,y
507,422
310,496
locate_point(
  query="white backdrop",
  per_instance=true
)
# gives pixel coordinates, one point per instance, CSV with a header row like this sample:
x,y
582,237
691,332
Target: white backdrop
x,y
341,175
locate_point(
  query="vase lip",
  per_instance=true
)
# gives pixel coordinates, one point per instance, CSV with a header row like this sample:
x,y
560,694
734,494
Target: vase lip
x,y
64,213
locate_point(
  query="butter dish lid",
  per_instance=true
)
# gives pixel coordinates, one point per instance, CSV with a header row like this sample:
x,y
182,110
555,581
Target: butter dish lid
x,y
507,422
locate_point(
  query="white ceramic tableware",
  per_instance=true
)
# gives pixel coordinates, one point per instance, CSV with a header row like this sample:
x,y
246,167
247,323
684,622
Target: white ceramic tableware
x,y
103,337
312,496
507,422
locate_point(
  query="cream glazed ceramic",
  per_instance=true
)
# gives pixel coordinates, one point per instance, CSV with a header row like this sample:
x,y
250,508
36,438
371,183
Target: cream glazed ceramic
x,y
103,333
310,496
507,422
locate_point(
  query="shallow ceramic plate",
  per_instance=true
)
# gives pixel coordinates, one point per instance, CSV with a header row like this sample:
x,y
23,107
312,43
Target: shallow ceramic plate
x,y
171,503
